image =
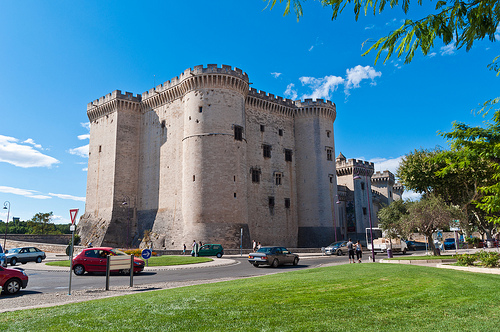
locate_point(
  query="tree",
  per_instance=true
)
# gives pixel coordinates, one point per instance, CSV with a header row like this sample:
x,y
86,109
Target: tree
x,y
390,219
460,22
40,224
429,215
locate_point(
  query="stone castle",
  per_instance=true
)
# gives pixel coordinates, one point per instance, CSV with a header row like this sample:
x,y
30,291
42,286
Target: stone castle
x,y
204,157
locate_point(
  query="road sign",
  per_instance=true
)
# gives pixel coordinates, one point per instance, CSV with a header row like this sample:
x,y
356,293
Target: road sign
x,y
146,253
72,214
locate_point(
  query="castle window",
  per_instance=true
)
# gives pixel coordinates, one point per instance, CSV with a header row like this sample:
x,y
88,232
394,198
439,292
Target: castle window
x,y
255,175
267,150
238,133
262,128
328,133
234,195
271,201
287,203
330,176
390,193
288,155
280,132
100,148
362,186
364,211
329,154
277,178
200,109
194,178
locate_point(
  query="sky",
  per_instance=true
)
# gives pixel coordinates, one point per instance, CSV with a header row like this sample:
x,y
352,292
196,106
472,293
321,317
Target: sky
x,y
57,56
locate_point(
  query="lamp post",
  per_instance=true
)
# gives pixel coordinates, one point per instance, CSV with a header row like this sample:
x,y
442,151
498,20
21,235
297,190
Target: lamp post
x,y
357,177
126,202
335,220
6,223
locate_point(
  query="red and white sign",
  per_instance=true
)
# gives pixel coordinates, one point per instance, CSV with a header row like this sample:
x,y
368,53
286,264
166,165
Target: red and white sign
x,y
72,214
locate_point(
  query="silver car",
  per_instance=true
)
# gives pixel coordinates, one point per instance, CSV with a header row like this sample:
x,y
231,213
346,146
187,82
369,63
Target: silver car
x,y
273,256
24,255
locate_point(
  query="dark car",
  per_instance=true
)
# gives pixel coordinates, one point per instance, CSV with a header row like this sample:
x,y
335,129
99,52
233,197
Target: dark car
x,y
24,255
273,256
94,260
449,243
12,280
415,245
337,248
210,250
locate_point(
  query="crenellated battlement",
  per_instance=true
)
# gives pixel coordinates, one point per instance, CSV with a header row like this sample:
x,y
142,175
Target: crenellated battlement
x,y
191,72
354,167
385,176
318,107
117,94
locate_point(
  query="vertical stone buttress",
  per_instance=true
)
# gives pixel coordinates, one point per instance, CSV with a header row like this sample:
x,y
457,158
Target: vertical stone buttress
x,y
109,217
315,164
214,178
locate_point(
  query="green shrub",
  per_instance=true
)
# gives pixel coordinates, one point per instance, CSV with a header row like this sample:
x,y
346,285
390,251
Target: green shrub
x,y
489,258
466,259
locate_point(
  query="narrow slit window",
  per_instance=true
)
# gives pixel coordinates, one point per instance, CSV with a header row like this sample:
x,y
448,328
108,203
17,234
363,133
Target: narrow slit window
x,y
287,203
266,150
238,133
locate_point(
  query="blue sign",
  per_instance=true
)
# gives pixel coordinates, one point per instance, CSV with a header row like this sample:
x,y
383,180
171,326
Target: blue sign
x,y
146,253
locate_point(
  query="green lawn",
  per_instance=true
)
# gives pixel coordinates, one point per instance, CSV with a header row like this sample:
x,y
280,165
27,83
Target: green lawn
x,y
155,261
350,297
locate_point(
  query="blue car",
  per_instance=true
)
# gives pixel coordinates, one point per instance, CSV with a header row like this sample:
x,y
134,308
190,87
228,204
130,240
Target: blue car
x,y
449,243
2,257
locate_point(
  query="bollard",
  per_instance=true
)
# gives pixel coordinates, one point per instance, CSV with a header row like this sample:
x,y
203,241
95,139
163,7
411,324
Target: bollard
x,y
389,253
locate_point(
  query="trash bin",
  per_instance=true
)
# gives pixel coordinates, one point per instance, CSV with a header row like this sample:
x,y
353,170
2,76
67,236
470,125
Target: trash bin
x,y
389,253
438,251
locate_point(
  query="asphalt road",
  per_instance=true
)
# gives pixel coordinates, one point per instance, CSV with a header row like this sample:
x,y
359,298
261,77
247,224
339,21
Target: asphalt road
x,y
41,281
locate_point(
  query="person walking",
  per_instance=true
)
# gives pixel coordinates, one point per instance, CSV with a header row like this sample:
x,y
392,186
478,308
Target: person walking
x,y
254,246
359,251
258,246
350,249
184,249
195,248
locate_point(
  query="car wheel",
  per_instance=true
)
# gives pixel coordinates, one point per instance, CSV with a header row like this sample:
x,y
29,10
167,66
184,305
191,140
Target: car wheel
x,y
339,252
39,259
12,286
79,270
255,265
404,251
125,272
13,261
275,263
295,261
219,255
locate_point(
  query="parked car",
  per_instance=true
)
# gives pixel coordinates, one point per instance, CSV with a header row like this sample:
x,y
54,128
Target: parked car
x,y
273,256
415,245
337,248
24,255
95,259
210,250
2,257
449,243
12,280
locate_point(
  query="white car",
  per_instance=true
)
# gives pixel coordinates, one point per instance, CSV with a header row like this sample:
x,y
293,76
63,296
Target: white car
x,y
24,255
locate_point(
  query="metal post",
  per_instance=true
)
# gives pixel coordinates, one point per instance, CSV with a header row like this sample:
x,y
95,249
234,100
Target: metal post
x,y
370,218
132,270
241,241
107,272
6,223
71,259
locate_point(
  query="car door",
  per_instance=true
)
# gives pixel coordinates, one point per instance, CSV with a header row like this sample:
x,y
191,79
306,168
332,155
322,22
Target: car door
x,y
23,256
95,261
287,256
32,254
204,250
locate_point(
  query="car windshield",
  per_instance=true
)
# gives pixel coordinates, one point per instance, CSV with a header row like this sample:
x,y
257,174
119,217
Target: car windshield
x,y
14,250
265,250
335,244
117,252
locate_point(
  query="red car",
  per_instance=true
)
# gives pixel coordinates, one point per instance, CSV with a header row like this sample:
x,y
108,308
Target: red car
x,y
12,280
94,260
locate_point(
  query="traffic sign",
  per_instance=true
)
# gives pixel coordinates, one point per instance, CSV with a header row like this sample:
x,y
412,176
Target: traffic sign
x,y
146,253
72,214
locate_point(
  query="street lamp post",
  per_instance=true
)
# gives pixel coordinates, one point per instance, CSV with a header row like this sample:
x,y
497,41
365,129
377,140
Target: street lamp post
x,y
357,177
7,222
126,202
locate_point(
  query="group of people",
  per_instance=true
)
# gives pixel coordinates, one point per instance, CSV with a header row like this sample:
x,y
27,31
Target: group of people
x,y
256,246
354,247
195,247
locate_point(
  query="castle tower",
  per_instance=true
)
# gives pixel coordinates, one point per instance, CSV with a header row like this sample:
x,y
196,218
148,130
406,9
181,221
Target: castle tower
x,y
315,167
112,170
355,175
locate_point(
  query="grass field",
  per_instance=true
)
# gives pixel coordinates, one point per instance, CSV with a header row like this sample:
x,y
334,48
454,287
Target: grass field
x,y
155,261
351,297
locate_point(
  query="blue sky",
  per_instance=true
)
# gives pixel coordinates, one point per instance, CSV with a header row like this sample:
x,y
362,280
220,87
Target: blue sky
x,y
57,56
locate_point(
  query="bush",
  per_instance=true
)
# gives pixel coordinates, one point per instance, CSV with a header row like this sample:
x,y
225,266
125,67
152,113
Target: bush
x,y
466,259
489,258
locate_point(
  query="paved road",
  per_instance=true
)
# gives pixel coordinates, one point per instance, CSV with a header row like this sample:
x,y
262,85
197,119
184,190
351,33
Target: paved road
x,y
44,281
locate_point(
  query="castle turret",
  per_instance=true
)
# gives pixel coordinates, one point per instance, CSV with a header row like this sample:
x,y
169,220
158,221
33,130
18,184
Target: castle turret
x,y
316,183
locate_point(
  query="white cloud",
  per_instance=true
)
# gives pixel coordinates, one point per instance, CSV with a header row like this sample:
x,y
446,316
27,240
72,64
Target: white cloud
x,y
82,151
322,87
17,154
357,74
32,142
290,93
382,164
56,219
391,22
276,75
23,192
448,49
83,137
431,55
71,197
85,125
311,48
411,195
497,33
370,27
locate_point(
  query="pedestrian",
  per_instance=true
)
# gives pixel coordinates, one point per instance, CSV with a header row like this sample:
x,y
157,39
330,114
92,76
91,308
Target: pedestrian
x,y
350,249
184,249
254,246
359,251
258,246
195,248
